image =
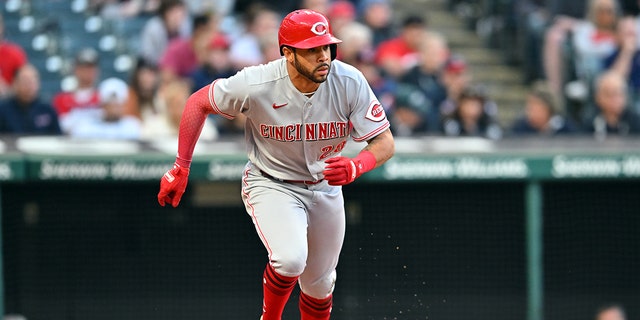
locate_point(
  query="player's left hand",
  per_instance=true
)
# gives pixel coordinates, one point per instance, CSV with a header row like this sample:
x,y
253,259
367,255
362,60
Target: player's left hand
x,y
172,185
342,170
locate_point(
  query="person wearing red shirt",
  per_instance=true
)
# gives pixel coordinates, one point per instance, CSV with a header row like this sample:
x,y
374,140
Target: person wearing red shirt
x,y
13,58
184,55
397,55
85,95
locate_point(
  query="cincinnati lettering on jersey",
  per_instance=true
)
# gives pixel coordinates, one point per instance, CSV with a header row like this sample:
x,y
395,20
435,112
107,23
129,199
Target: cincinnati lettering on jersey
x,y
310,131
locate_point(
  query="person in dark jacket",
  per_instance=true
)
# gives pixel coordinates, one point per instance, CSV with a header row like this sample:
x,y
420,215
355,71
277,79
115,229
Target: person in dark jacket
x,y
541,114
24,113
613,117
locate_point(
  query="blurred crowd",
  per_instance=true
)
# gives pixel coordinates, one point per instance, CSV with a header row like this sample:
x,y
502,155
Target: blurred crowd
x,y
580,60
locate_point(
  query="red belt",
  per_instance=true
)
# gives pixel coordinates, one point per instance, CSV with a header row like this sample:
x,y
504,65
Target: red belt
x,y
307,182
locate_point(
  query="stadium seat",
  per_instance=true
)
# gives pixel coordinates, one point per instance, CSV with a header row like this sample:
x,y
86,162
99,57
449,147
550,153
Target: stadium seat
x,y
11,21
72,24
13,8
52,6
21,38
129,31
49,86
112,66
72,42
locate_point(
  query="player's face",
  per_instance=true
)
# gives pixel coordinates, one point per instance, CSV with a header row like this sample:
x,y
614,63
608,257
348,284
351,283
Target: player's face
x,y
314,64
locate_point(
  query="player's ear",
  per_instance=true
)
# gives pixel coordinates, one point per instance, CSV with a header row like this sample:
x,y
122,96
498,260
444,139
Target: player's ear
x,y
288,53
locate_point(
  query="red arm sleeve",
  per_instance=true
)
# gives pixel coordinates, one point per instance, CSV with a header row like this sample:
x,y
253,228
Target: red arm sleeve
x,y
194,115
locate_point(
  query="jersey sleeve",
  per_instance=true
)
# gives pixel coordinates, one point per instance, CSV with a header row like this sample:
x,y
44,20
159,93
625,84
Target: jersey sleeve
x,y
229,96
368,118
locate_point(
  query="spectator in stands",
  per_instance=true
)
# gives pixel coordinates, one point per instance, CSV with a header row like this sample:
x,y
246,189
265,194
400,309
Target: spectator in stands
x,y
626,59
399,54
259,20
23,112
222,8
13,58
119,9
216,65
269,46
85,95
433,54
384,87
455,78
219,66
165,123
183,55
613,117
143,88
171,21
411,111
474,116
321,6
107,122
378,16
357,43
611,312
542,116
593,39
340,14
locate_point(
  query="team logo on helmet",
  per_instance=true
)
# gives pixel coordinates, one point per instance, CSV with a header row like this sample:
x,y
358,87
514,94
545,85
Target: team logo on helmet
x,y
319,28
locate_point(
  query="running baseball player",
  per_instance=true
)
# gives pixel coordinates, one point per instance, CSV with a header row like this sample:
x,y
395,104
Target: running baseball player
x,y
300,110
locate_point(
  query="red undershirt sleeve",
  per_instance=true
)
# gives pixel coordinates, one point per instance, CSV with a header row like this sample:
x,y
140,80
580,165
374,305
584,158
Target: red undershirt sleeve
x,y
194,115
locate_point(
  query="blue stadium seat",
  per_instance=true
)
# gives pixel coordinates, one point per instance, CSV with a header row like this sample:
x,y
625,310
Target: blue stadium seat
x,y
11,21
49,86
72,24
51,6
129,30
72,42
21,38
12,8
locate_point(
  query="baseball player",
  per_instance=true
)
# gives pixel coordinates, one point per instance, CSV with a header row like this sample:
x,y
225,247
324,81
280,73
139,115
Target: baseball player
x,y
299,110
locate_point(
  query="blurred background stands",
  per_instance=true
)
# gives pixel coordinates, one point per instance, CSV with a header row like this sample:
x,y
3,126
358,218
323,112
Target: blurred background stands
x,y
51,32
458,21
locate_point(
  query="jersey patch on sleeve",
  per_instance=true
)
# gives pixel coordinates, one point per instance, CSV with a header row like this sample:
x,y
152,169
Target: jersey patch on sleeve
x,y
375,112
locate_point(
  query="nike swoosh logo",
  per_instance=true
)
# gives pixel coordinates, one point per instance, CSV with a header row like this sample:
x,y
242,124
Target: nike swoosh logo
x,y
277,106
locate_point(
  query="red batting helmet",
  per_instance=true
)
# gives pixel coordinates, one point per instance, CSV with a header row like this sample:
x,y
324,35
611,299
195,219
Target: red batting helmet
x,y
306,29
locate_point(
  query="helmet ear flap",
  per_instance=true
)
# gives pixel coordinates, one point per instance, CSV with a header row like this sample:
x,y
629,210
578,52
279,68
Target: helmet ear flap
x,y
334,50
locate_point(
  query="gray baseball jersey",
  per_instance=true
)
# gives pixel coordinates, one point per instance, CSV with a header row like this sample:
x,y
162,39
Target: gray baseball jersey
x,y
288,134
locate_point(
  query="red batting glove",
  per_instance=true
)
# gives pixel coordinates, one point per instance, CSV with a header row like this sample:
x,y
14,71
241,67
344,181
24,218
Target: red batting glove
x,y
342,170
172,185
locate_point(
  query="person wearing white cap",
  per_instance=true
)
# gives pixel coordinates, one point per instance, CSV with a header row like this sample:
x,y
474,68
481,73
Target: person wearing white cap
x,y
108,121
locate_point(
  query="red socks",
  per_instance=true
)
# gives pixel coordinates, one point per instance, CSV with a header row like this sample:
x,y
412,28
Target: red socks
x,y
276,289
314,309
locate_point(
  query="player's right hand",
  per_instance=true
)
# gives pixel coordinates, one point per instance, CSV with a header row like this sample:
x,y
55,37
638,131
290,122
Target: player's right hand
x,y
172,185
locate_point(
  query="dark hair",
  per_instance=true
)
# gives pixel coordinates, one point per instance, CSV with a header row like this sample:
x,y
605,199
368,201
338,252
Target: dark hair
x,y
474,92
478,93
200,20
541,90
166,5
414,21
141,64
